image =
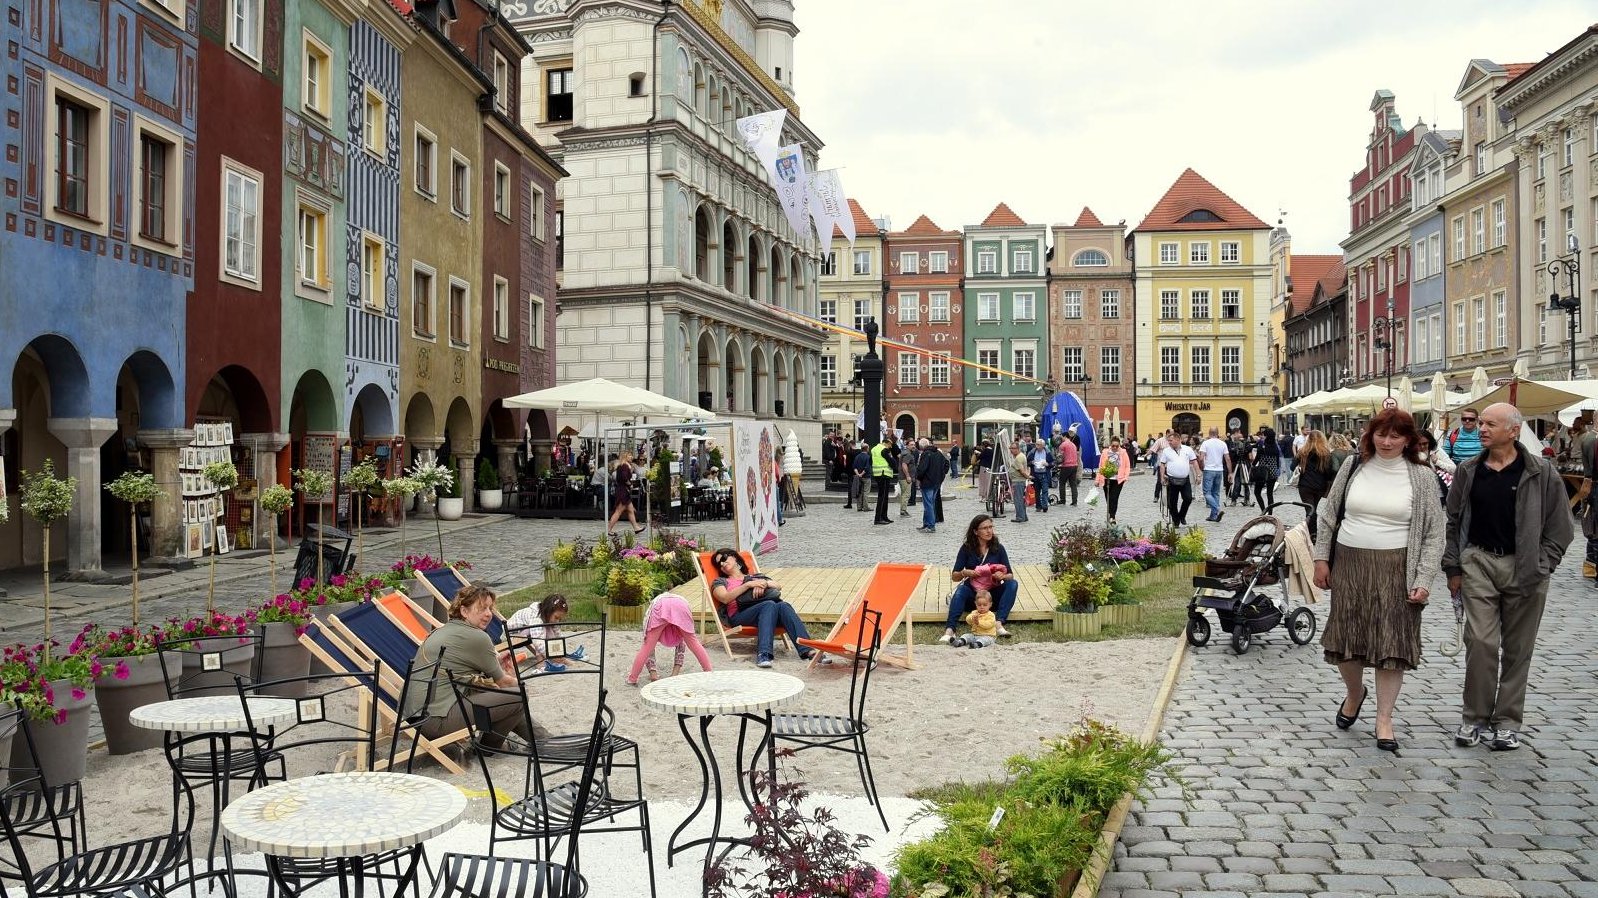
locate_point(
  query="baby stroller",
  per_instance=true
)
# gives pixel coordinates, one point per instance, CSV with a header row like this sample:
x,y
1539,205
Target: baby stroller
x,y
1247,588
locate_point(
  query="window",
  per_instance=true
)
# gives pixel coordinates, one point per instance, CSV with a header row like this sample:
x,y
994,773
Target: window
x,y
244,28
426,163
1025,356
1459,237
1232,304
1478,307
987,307
460,185
1071,303
1478,231
1478,155
1420,260
502,97
1091,258
1500,233
560,238
1570,229
1170,364
318,68
535,322
1231,364
241,223
422,299
938,370
1109,304
1459,329
862,313
1170,253
1500,319
1072,368
909,263
372,272
1231,252
374,122
938,262
1023,262
1200,358
1109,364
829,264
909,370
909,308
1542,162
829,372
938,307
1381,274
1542,240
988,358
535,221
1421,339
459,312
635,84
501,308
862,261
1437,334
159,181
1200,302
1434,248
311,238
501,191
1023,307
1198,253
558,98
73,157
1542,324
828,311
1570,146
987,261
1170,304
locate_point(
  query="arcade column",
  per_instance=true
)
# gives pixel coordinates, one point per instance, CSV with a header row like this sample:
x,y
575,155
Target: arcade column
x,y
505,454
426,453
264,448
83,438
466,473
8,416
166,512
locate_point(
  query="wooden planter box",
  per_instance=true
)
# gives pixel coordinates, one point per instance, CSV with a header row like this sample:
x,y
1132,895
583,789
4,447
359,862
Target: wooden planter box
x,y
575,575
1120,615
1181,572
1073,623
625,615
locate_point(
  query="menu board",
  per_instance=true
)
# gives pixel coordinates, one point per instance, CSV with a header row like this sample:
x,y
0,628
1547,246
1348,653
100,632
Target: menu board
x,y
319,452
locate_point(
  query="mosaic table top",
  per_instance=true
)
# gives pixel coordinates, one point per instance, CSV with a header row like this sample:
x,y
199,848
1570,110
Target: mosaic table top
x,y
722,692
211,714
343,814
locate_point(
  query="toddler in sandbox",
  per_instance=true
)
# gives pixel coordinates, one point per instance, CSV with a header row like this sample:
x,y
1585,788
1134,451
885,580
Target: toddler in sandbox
x,y
540,624
670,622
984,625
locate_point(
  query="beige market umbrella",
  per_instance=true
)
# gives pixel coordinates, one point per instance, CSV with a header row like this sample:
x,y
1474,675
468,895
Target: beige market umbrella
x,y
1479,384
837,414
1533,398
1405,394
1438,397
996,416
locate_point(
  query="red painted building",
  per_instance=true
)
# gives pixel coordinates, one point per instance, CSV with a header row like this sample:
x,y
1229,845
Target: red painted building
x,y
922,273
1376,250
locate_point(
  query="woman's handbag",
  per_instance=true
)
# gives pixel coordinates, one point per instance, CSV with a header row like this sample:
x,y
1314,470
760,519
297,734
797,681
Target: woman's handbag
x,y
1262,472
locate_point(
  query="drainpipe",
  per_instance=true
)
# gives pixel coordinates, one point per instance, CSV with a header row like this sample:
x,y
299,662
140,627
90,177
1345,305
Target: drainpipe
x,y
649,196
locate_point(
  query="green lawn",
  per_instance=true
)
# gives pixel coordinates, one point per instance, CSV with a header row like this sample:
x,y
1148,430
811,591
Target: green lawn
x,y
583,605
1164,614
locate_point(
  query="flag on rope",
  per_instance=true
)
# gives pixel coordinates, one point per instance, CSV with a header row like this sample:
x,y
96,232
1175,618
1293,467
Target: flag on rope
x,y
761,134
788,173
829,207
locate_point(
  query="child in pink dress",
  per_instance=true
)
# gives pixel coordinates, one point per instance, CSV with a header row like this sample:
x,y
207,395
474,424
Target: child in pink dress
x,y
670,622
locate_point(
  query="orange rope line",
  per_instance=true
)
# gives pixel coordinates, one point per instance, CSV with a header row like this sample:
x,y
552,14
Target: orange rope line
x,y
849,331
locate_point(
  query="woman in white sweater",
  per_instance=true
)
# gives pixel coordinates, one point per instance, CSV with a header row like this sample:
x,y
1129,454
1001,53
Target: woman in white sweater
x,y
1381,537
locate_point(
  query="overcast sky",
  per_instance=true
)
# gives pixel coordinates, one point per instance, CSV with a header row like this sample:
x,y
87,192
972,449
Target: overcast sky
x,y
946,108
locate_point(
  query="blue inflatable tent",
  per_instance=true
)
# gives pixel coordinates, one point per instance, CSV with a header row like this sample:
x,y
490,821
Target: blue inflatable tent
x,y
1061,412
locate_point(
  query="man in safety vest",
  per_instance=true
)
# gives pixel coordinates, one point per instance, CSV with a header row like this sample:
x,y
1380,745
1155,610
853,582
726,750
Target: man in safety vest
x,y
882,473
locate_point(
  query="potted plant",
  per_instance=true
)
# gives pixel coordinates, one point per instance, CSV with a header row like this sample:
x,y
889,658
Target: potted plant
x,y
313,485
1079,591
401,488
212,632
450,505
489,495
275,500
224,476
625,589
53,687
361,480
1121,607
135,489
281,620
570,563
432,479
127,676
47,498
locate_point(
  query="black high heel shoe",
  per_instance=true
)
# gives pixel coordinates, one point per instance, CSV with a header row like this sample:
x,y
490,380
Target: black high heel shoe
x,y
1344,721
1387,745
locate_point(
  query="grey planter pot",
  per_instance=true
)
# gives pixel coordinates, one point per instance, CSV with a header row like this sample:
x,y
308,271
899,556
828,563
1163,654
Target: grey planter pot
x,y
63,748
117,698
283,656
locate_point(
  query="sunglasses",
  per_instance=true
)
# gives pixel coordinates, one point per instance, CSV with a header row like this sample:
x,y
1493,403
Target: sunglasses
x,y
1468,420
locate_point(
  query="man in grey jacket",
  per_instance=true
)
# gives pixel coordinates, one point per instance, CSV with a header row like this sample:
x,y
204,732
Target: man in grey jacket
x,y
1508,528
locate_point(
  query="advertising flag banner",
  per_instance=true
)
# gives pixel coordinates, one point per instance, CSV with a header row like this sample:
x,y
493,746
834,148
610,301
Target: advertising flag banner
x,y
827,198
788,172
761,133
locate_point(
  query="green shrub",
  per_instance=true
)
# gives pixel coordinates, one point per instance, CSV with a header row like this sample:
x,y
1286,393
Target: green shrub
x,y
1190,546
1080,588
487,475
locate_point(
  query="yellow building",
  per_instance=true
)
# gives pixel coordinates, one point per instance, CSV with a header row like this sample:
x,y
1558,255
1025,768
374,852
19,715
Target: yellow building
x,y
851,293
1203,269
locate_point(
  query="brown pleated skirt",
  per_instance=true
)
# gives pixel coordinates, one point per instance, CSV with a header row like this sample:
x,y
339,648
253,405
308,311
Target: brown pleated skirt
x,y
1371,620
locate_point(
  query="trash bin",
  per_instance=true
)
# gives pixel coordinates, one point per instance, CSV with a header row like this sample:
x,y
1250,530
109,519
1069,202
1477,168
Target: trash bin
x,y
336,557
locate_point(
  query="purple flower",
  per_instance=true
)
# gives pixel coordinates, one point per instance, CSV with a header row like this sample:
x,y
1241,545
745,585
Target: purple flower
x,y
79,693
122,672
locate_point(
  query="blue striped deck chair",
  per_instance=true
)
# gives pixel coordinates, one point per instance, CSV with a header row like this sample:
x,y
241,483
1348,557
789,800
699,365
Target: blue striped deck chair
x,y
442,583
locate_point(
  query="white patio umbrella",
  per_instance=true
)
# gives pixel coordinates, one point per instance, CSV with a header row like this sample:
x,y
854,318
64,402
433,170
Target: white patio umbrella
x,y
1438,397
837,414
1535,398
1479,384
996,416
1405,394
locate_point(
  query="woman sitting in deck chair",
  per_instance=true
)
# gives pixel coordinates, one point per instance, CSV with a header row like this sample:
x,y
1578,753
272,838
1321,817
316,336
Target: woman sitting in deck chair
x,y
754,600
469,656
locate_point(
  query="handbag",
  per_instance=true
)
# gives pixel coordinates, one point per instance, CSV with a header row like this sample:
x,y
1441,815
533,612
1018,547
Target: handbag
x,y
1262,472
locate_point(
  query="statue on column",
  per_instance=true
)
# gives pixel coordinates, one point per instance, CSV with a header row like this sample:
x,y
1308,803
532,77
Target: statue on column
x,y
871,336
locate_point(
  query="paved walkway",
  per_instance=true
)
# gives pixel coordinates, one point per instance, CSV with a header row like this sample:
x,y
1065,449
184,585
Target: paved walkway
x,y
1288,805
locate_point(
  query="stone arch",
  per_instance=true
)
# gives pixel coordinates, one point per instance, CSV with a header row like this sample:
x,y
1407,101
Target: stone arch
x,y
906,422
796,283
685,84
420,422
734,375
759,381
701,102
780,385
713,98
313,406
729,255
460,433
753,258
236,393
706,363
702,244
69,394
371,416
159,403
774,275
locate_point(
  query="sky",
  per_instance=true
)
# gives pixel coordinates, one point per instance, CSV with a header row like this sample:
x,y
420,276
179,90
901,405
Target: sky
x,y
946,108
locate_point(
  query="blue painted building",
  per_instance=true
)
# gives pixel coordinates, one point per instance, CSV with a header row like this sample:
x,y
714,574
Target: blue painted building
x,y
96,248
1428,313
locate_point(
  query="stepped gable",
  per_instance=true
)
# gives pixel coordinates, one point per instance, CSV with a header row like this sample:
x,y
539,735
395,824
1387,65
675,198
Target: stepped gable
x,y
1194,204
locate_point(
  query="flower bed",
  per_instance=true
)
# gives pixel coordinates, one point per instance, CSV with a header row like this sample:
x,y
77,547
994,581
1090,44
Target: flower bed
x,y
625,574
1101,569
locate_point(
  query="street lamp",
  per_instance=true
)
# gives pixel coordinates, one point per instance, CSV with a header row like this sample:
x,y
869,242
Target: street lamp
x,y
1384,328
1570,303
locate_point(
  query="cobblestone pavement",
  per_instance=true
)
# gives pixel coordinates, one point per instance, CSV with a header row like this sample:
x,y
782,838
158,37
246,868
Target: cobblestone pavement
x,y
1288,805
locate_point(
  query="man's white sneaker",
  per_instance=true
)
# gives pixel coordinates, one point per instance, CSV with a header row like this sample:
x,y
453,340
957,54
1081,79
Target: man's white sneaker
x,y
1505,740
1468,735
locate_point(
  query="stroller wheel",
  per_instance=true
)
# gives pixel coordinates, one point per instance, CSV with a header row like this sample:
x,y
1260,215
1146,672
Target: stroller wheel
x,y
1198,630
1241,638
1301,626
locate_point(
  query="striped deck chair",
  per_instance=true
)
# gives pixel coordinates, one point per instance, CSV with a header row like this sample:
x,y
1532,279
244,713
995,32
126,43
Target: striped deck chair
x,y
442,583
709,612
339,657
889,591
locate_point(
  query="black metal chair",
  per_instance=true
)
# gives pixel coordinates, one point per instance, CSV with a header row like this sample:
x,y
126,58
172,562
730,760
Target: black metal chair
x,y
474,876
415,697
313,725
54,814
845,733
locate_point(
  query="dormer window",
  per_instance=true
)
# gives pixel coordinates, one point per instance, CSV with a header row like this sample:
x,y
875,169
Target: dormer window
x,y
1200,216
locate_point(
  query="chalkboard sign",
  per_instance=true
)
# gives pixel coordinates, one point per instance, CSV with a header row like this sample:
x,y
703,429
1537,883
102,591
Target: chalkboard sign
x,y
319,451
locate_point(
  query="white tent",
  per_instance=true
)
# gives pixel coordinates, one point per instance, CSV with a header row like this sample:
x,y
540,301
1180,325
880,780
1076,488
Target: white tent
x,y
606,397
996,416
837,414
1536,398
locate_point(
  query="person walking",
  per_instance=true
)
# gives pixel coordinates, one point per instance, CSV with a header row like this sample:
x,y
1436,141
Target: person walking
x,y
1176,470
904,467
1264,468
1464,441
1038,461
1315,469
1581,449
1070,469
984,469
1508,527
1018,480
1121,470
1301,438
1238,448
932,468
1376,549
1155,453
954,460
882,474
1217,460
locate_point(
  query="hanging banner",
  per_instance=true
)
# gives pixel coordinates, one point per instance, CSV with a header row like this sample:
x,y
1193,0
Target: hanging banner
x,y
829,207
754,486
761,134
788,172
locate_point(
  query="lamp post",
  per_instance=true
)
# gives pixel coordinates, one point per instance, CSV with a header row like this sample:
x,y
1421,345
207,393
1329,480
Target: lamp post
x,y
1383,328
1290,394
1570,267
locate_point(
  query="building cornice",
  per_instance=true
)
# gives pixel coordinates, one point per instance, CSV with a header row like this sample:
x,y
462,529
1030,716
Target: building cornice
x,y
1547,74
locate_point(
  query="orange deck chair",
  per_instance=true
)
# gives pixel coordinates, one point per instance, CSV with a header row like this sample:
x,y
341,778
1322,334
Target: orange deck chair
x,y
407,615
708,575
889,590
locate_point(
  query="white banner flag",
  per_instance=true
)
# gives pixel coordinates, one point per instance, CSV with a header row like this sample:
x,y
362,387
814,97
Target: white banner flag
x,y
829,207
788,172
762,133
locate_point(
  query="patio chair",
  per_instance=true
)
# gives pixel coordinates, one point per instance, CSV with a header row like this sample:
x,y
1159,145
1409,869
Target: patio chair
x,y
707,575
54,814
389,695
442,583
889,591
847,732
313,726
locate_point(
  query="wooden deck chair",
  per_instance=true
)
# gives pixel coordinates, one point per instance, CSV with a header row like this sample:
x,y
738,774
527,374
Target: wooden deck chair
x,y
407,615
442,583
889,590
339,657
709,611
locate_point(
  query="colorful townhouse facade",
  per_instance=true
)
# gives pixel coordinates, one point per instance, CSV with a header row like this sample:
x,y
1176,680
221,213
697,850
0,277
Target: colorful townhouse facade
x,y
1090,314
850,294
924,265
1203,291
1315,334
1005,316
1435,152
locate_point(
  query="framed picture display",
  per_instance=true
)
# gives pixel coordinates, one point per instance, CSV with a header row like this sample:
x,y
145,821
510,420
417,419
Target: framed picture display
x,y
207,534
193,531
227,433
222,547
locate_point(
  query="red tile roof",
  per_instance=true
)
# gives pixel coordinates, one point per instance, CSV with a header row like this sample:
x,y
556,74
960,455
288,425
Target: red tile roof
x,y
1307,272
1002,217
1191,193
1087,219
863,225
1516,69
924,227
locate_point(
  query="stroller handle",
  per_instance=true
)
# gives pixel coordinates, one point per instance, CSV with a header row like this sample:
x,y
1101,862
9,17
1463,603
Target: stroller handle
x,y
1308,508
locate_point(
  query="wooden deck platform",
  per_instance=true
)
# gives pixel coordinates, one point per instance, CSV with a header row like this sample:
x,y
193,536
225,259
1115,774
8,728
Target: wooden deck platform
x,y
819,594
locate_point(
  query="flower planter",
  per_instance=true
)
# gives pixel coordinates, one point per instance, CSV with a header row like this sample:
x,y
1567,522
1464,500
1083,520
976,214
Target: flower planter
x,y
1181,572
574,575
450,509
117,698
490,500
1076,623
63,748
8,733
283,656
1120,615
625,615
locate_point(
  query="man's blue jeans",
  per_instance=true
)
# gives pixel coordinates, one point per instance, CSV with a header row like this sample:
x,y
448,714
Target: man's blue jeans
x,y
929,505
1212,490
1040,487
964,601
766,617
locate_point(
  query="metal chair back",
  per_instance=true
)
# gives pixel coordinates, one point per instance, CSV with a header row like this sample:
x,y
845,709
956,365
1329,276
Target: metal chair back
x,y
870,628
197,666
315,724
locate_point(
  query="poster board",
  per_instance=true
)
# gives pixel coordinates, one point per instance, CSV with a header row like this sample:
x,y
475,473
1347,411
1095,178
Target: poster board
x,y
202,504
754,486
319,452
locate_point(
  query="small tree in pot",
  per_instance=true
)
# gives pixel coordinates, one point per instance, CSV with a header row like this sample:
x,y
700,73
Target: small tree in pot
x,y
135,489
47,498
275,500
313,485
361,480
224,476
402,488
433,481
